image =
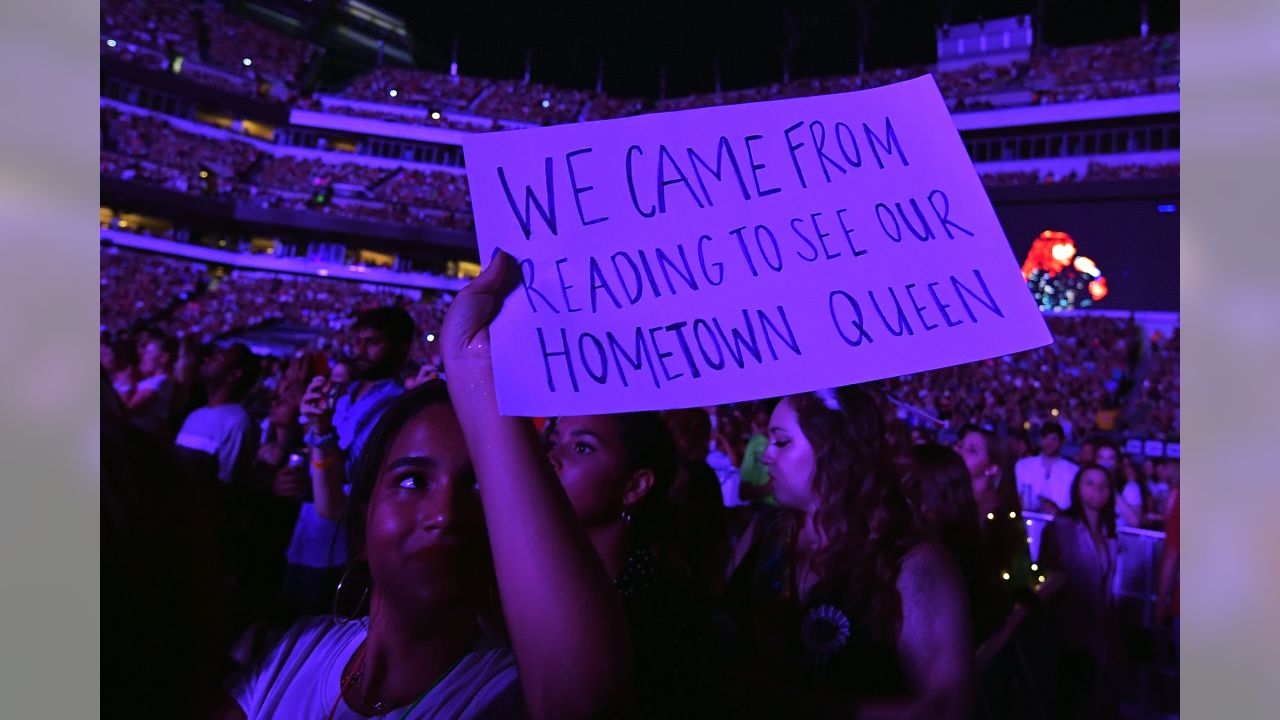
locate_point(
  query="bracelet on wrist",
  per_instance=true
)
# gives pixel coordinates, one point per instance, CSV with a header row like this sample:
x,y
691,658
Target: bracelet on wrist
x,y
325,440
325,463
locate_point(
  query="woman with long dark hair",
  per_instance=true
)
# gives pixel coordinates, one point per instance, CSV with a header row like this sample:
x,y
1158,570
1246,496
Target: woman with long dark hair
x,y
419,642
844,608
1004,530
1081,543
939,491
990,470
618,471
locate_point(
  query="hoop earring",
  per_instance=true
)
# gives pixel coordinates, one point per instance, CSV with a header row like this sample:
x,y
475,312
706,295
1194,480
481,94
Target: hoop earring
x,y
337,593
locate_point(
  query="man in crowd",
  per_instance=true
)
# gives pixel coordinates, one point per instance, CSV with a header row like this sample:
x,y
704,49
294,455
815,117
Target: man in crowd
x,y
152,399
222,427
336,431
1044,480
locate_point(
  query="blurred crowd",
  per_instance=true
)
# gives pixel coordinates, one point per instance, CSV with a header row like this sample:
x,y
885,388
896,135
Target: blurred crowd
x,y
148,32
236,55
1096,172
147,149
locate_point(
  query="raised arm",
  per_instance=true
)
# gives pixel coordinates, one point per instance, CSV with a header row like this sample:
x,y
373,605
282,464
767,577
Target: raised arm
x,y
565,618
328,473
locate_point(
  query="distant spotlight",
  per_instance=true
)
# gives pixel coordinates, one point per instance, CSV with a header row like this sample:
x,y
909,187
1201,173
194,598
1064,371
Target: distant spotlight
x,y
431,338
435,115
393,92
546,103
124,223
204,173
1167,208
111,43
247,62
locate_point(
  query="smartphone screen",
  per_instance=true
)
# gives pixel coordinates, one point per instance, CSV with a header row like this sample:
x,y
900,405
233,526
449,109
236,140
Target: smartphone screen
x,y
319,364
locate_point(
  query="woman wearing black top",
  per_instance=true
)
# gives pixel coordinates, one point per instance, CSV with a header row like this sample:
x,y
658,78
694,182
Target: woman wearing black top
x,y
844,611
617,471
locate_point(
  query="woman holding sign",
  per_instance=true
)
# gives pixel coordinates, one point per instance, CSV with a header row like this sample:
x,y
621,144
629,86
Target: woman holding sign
x,y
565,617
417,519
417,522
609,474
844,612
408,641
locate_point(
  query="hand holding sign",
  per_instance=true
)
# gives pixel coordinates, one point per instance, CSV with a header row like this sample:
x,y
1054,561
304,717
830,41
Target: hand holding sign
x,y
464,334
709,256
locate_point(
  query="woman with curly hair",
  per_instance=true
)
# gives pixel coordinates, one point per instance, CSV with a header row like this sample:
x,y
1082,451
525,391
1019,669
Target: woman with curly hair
x,y
846,612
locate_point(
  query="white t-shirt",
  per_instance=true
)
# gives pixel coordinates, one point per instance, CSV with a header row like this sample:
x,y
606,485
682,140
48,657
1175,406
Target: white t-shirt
x,y
1037,478
220,431
152,418
300,678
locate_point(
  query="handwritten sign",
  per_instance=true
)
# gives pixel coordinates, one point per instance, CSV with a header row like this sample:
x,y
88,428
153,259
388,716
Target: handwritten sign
x,y
707,256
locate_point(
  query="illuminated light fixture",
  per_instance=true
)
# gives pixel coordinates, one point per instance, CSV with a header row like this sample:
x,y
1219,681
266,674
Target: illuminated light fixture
x,y
1004,575
1159,208
1028,523
393,92
1012,515
1026,425
546,103
271,251
111,43
431,337
325,273
1041,578
247,62
1028,541
1054,412
991,516
1087,266
204,173
1034,567
124,223
435,114
1063,252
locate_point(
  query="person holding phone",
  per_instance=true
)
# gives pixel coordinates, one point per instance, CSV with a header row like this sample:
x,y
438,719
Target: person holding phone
x,y
336,427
